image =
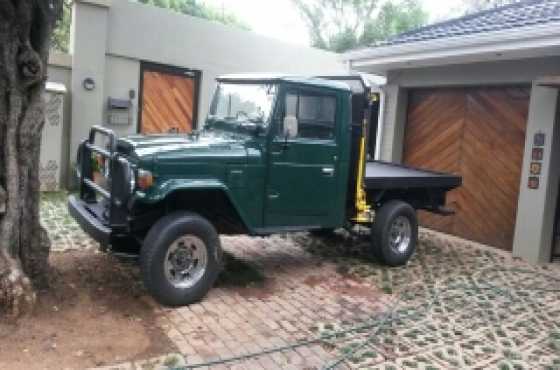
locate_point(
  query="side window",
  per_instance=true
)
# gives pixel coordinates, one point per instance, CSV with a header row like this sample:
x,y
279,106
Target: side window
x,y
315,113
291,104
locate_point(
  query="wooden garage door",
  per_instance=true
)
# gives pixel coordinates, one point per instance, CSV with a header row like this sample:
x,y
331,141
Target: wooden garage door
x,y
478,133
168,101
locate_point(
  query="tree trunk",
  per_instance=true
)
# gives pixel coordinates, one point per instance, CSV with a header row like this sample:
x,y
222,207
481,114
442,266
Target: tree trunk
x,y
25,30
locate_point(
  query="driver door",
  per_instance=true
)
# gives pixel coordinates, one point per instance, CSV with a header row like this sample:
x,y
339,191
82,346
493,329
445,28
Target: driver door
x,y
302,170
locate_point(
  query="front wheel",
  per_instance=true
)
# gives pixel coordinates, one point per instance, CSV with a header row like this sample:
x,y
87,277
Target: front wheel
x,y
180,259
395,233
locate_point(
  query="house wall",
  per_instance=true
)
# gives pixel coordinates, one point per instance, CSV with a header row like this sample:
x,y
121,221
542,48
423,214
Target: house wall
x,y
536,208
110,39
60,71
88,46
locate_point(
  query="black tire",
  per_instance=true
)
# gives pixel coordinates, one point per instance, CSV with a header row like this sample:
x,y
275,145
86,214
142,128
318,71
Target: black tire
x,y
154,251
385,217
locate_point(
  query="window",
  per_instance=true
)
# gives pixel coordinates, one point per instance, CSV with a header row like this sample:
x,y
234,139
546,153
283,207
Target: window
x,y
315,113
243,103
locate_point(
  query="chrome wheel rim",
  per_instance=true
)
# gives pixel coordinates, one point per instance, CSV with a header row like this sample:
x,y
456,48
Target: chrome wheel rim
x,y
400,234
185,261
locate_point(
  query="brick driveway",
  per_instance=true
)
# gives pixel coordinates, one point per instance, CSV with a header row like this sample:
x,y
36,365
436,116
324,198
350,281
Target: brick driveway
x,y
308,303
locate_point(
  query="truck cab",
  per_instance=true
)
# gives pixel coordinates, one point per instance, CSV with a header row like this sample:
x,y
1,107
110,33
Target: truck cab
x,y
277,154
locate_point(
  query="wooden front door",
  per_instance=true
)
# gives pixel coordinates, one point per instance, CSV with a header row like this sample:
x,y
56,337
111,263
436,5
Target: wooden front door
x,y
168,99
478,133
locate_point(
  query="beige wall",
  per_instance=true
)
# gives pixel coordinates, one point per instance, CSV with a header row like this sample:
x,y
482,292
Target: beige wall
x,y
121,76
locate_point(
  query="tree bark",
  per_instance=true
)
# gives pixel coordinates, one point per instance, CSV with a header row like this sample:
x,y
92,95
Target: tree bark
x,y
25,30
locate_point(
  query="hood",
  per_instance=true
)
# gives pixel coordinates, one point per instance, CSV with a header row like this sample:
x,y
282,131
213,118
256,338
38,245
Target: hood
x,y
209,144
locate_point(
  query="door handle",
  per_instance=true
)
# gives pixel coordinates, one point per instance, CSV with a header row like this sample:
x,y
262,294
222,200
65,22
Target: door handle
x,y
328,171
273,196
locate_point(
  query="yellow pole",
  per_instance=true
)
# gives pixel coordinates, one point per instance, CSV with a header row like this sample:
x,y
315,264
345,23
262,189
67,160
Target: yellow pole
x,y
362,208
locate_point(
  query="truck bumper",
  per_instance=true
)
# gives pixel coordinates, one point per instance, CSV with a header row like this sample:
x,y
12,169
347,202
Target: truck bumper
x,y
88,220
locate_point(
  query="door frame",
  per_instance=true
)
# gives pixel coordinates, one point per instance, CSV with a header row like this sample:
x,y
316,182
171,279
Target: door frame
x,y
275,137
146,66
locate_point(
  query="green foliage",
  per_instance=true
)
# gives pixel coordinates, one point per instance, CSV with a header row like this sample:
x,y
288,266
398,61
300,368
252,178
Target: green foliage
x,y
195,8
61,34
340,25
394,19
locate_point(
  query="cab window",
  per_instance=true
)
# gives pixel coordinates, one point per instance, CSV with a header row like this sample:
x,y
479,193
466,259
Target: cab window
x,y
315,113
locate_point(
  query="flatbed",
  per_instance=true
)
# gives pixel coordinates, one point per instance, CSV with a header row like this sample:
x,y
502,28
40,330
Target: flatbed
x,y
384,175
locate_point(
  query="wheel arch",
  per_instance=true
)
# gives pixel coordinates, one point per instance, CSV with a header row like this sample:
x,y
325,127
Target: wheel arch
x,y
211,199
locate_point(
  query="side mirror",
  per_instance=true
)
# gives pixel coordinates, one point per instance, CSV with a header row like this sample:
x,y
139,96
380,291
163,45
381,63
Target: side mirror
x,y
290,127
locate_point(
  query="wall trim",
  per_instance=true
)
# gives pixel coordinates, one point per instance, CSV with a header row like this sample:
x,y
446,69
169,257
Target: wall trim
x,y
101,3
58,59
490,46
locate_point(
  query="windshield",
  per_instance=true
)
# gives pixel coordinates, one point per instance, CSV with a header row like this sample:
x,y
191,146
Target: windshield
x,y
243,103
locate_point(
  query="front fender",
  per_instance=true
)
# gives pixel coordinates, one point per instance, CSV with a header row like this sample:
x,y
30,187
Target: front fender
x,y
164,189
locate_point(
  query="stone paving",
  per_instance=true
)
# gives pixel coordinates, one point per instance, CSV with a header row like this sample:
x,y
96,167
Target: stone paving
x,y
312,303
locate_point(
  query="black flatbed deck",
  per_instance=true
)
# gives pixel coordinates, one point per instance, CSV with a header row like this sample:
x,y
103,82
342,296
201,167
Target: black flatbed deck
x,y
385,175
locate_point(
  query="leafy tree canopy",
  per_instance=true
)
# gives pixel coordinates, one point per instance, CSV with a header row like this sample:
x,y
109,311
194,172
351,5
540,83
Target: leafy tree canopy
x,y
61,34
341,25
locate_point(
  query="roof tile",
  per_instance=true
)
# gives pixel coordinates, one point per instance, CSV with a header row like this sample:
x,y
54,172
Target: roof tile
x,y
521,14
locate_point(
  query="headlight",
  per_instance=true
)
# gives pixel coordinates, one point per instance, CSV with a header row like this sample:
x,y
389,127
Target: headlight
x,y
106,167
131,179
144,179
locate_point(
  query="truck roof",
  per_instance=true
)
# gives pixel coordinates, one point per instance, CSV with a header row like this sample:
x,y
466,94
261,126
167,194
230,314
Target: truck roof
x,y
272,77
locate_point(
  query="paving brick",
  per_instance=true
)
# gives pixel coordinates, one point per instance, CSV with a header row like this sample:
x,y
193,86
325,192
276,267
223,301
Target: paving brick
x,y
303,288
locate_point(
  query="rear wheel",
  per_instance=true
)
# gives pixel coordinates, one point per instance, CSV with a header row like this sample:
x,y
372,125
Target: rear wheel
x,y
180,259
395,233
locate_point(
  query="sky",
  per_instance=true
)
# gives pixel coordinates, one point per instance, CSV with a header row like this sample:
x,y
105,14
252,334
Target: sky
x,y
279,19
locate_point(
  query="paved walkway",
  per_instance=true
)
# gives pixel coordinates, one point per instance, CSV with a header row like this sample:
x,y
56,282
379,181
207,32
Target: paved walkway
x,y
318,303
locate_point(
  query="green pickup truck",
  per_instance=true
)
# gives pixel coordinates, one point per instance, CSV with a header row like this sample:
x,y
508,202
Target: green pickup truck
x,y
277,154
